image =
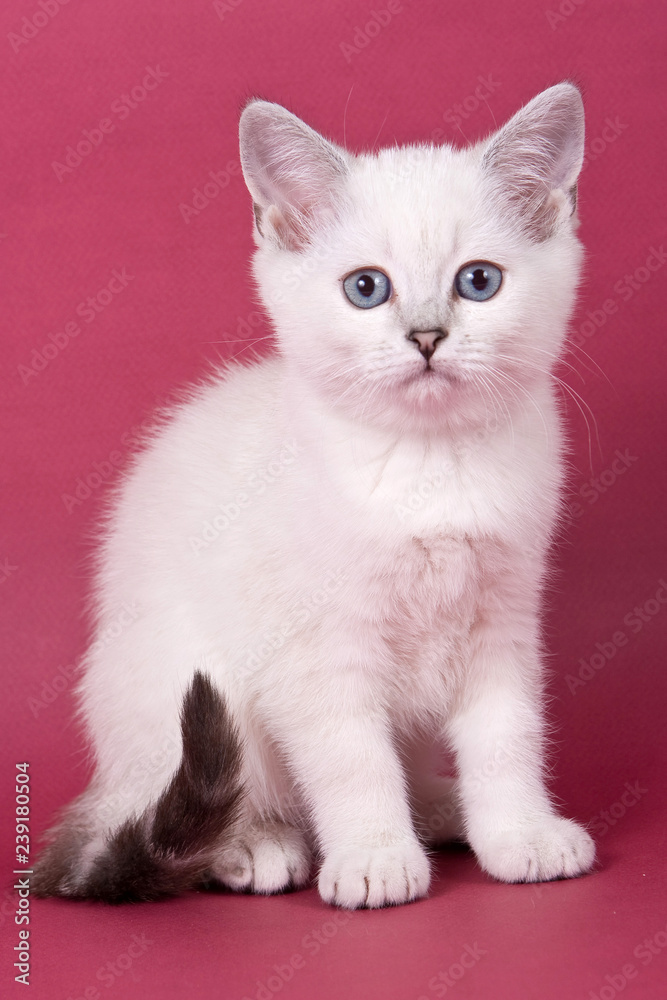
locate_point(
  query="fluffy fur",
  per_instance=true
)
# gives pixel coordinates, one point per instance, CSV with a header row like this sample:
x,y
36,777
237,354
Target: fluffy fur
x,y
349,540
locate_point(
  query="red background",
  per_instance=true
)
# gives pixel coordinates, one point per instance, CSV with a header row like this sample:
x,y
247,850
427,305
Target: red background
x,y
119,208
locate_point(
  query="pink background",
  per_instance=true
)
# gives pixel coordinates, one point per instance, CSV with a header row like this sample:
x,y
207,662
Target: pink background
x,y
187,301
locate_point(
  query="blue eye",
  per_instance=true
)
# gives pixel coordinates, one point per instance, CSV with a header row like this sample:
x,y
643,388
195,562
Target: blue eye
x,y
478,281
367,288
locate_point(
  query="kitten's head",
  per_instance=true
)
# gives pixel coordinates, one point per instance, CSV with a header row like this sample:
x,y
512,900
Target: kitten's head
x,y
419,287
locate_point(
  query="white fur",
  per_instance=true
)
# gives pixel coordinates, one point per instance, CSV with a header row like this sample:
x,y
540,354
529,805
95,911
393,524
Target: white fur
x,y
376,590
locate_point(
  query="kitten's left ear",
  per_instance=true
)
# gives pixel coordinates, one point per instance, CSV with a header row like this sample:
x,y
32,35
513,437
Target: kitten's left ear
x,y
292,172
536,158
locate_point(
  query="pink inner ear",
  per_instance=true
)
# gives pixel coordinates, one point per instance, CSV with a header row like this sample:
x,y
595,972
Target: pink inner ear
x,y
288,227
539,154
291,171
302,187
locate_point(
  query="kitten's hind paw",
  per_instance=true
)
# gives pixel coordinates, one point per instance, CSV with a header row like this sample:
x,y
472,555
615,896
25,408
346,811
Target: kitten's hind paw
x,y
267,857
550,849
374,876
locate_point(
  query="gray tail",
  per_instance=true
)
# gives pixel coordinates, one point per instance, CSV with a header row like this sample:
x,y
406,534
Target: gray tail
x,y
169,848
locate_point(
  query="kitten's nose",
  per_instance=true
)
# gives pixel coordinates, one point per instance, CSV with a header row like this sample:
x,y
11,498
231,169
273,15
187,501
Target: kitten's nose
x,y
427,340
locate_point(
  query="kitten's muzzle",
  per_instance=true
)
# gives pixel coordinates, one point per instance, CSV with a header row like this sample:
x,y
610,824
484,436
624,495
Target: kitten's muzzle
x,y
427,340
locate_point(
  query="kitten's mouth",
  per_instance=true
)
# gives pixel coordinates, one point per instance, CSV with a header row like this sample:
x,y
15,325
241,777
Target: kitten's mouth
x,y
430,374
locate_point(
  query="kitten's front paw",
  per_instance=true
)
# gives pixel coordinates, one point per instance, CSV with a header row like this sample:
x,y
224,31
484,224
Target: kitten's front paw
x,y
553,848
266,858
374,876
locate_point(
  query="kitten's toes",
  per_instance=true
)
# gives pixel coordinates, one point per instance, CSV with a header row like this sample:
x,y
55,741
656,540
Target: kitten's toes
x,y
267,858
553,848
374,876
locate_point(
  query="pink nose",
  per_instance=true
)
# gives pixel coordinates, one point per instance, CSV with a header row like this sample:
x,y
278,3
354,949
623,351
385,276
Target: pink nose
x,y
427,341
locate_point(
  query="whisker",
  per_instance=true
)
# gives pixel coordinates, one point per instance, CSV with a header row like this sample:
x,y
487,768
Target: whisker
x,y
581,403
571,346
248,340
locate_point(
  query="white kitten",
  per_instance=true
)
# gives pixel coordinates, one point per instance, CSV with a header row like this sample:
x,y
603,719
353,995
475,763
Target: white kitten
x,y
337,554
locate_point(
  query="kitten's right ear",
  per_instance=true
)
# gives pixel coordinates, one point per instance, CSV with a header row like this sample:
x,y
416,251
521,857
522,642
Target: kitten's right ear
x,y
292,172
536,158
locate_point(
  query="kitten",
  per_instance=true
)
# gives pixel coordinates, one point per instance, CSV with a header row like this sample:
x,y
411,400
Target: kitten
x,y
336,554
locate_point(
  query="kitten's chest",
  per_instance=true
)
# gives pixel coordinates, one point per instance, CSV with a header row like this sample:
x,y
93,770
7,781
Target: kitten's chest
x,y
426,498
435,489
434,568
430,575
426,600
419,525
422,586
